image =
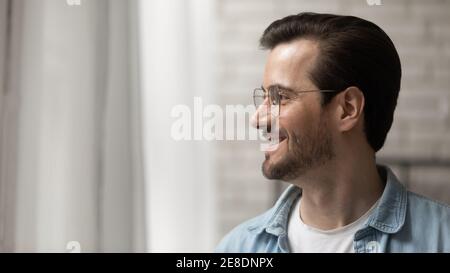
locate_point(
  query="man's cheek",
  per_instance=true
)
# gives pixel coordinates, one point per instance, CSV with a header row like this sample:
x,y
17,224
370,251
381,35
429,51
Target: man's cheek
x,y
294,139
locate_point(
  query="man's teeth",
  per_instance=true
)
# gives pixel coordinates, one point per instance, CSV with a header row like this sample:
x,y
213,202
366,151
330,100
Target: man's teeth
x,y
274,137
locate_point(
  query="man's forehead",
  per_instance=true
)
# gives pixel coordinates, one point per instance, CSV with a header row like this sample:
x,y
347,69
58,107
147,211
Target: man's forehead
x,y
290,62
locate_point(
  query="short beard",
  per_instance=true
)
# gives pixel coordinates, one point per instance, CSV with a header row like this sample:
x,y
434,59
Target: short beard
x,y
310,151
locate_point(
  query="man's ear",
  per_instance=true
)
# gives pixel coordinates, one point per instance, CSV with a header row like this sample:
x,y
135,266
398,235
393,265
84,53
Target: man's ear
x,y
350,108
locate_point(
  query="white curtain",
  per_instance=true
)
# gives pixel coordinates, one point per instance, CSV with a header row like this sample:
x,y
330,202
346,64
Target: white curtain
x,y
70,140
177,64
82,87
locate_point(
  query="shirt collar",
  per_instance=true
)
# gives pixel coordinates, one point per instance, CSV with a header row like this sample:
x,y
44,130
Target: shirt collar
x,y
388,216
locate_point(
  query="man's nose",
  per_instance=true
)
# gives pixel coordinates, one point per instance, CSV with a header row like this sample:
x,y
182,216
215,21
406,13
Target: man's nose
x,y
262,118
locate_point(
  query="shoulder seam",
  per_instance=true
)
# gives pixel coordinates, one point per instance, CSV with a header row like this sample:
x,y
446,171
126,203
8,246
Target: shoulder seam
x,y
441,204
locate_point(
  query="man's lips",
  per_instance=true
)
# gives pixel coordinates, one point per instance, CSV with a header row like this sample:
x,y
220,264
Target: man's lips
x,y
273,147
275,140
282,135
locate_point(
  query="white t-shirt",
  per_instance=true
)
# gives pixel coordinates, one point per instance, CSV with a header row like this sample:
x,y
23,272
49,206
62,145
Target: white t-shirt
x,y
305,239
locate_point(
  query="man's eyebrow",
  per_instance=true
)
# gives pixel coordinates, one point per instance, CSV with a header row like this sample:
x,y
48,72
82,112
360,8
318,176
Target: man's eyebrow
x,y
282,87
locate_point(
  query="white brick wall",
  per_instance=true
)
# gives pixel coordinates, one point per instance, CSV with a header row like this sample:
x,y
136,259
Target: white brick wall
x,y
421,31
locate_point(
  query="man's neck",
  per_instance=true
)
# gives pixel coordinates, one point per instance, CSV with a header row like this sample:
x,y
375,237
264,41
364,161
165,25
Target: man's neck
x,y
338,194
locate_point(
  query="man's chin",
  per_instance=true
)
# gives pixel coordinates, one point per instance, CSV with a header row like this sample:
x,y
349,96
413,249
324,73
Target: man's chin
x,y
267,174
285,168
271,171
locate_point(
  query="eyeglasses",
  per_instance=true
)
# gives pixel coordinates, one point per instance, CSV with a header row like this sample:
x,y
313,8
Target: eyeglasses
x,y
278,96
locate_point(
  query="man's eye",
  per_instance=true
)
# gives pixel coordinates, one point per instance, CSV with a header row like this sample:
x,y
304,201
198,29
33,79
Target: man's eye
x,y
284,97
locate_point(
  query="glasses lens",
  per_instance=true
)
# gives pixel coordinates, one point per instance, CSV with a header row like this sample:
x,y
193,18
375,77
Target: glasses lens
x,y
258,97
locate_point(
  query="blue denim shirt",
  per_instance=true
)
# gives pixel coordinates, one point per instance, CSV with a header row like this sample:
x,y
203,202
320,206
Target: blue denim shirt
x,y
402,222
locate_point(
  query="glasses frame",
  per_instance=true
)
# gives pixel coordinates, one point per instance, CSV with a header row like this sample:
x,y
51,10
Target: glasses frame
x,y
276,97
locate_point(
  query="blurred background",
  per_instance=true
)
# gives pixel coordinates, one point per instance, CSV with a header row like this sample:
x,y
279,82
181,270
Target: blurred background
x,y
87,161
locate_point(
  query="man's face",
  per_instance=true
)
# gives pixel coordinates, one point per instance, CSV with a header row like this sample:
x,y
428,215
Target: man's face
x,y
305,135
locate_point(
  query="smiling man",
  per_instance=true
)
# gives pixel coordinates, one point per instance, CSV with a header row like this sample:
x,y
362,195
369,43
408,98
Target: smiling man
x,y
334,81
